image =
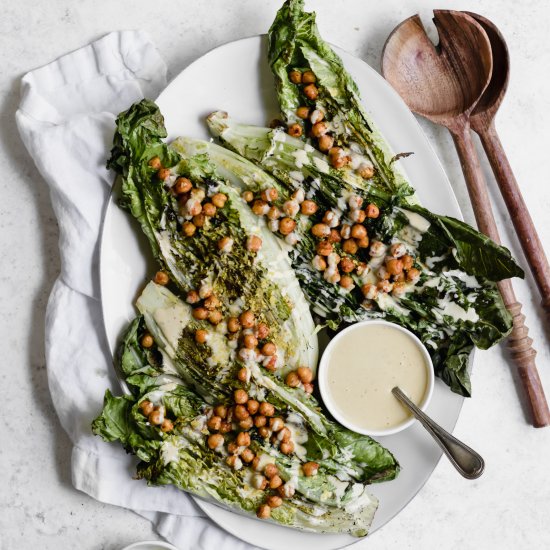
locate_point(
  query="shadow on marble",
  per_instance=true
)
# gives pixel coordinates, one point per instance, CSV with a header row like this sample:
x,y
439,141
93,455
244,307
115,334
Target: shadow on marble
x,y
46,228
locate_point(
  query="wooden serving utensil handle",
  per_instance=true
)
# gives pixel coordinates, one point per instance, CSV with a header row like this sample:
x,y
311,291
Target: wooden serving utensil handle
x,y
525,228
519,343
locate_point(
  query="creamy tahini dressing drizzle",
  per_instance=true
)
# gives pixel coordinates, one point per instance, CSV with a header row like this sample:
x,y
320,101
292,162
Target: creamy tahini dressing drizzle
x,y
363,367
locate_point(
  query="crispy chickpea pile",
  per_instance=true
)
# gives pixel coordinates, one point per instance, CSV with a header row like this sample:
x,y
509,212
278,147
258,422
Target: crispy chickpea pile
x,y
302,377
206,307
234,428
194,207
156,415
314,125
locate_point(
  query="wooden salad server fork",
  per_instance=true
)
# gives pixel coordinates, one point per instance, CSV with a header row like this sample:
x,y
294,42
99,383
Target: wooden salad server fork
x,y
482,121
444,84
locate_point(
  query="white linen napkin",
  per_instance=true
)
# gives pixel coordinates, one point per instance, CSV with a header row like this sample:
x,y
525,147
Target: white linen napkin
x,y
66,120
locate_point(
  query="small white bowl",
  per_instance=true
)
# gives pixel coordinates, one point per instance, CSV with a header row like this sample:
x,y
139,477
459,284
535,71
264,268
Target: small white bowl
x,y
150,545
325,393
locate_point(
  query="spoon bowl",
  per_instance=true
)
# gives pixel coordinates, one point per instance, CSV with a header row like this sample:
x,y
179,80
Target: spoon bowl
x,y
431,78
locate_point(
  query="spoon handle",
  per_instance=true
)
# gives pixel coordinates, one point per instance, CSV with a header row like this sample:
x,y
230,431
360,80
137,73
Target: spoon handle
x,y
525,228
468,463
519,343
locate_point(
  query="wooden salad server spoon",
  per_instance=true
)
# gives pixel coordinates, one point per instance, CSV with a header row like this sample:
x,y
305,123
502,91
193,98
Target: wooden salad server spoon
x,y
444,84
482,121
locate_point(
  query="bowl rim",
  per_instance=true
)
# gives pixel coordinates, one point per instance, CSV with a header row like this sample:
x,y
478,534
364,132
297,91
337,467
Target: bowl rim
x,y
323,383
159,543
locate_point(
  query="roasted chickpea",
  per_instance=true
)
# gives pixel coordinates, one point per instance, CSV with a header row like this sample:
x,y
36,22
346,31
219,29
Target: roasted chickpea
x,y
319,263
339,161
308,77
295,130
274,501
311,91
269,349
366,171
215,440
260,421
308,388
212,302
383,273
345,231
201,336
182,185
358,231
260,207
271,364
233,324
241,412
310,468
334,236
199,220
155,163
363,243
302,112
413,275
394,266
215,317
219,200
225,427
225,244
161,278
240,397
243,439
193,207
220,410
214,423
208,209
274,213
248,196
247,455
408,261
147,340
286,491
358,216
308,207
361,268
252,406
305,374
397,250
347,265
271,470
319,129
247,319
262,331
287,226
189,228
377,249
276,424
233,461
156,418
369,291
295,77
384,286
242,375
167,425
275,481
264,432
200,313
400,277
269,195
286,447
285,435
266,409
324,248
250,341
346,281
325,143
350,246
264,511
320,230
163,174
146,407
292,379
372,211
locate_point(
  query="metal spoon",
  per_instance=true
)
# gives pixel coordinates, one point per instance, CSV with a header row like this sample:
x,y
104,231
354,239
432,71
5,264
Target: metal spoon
x,y
468,463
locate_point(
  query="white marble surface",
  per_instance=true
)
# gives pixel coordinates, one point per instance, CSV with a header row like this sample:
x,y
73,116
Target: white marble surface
x,y
507,508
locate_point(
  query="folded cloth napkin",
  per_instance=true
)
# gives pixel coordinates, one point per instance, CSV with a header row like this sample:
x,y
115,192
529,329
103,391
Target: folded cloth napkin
x,y
66,120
